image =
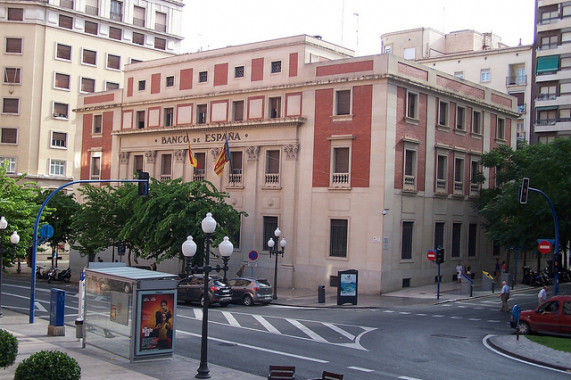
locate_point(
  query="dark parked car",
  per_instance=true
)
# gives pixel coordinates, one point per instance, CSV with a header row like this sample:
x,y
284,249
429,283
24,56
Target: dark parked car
x,y
554,315
250,290
191,289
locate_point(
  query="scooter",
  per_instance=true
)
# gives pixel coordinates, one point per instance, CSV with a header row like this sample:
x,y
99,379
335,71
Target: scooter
x,y
42,273
55,275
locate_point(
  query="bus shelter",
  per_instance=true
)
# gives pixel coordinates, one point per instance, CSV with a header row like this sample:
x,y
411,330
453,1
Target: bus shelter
x,y
130,312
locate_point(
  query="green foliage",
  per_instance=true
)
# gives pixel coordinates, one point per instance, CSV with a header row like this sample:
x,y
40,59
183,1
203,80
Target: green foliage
x,y
154,226
548,167
19,205
8,349
557,343
60,212
48,365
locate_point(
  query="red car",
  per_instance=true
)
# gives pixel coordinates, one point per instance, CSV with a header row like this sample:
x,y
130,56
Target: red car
x,y
554,315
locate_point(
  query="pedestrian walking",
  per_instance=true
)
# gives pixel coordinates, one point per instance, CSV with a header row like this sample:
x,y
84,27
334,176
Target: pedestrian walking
x,y
459,272
542,296
504,296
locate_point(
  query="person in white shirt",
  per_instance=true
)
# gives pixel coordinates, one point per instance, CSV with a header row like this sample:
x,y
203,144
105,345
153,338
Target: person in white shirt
x,y
459,271
504,296
542,296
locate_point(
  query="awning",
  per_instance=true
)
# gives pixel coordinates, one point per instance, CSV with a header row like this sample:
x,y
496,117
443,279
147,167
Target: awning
x,y
546,108
547,64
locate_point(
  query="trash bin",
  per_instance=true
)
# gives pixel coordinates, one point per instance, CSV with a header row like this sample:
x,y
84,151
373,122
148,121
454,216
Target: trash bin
x,y
79,328
321,294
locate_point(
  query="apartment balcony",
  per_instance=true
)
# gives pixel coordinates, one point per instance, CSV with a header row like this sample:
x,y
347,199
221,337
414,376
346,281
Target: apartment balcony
x,y
559,125
165,177
340,180
474,189
161,28
553,23
235,178
199,175
520,80
409,182
139,22
272,180
458,187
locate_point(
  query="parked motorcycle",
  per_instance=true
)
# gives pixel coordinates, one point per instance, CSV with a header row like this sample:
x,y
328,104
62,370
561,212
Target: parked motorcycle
x,y
42,272
57,275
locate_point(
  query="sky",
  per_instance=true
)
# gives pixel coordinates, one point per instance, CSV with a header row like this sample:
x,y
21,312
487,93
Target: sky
x,y
355,24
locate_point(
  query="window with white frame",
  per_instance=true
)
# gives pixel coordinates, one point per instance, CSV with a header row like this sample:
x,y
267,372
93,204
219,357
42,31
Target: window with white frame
x,y
61,81
547,91
13,45
272,172
95,167
340,167
111,86
65,22
168,116
8,135
485,75
60,110
12,75
442,173
63,52
57,167
459,74
92,7
16,14
461,118
116,12
11,106
409,53
11,162
501,129
338,237
139,15
59,140
477,122
343,102
87,85
199,172
443,113
406,240
160,43
410,164
138,38
238,110
89,57
115,33
113,62
276,67
161,22
91,28
412,105
97,124
459,175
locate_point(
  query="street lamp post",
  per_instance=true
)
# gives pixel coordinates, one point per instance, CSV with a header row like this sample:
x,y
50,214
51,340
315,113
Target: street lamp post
x,y
188,250
14,239
274,250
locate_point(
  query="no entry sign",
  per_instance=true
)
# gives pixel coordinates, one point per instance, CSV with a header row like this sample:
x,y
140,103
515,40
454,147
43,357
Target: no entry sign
x,y
544,246
431,255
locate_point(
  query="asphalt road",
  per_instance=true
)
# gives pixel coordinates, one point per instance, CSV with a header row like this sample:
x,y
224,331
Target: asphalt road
x,y
407,340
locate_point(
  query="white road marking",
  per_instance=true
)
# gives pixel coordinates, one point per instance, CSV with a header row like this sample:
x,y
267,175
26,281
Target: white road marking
x,y
249,346
437,316
340,331
230,318
455,317
474,319
267,325
39,306
197,313
493,321
409,378
389,311
404,312
361,369
421,314
306,330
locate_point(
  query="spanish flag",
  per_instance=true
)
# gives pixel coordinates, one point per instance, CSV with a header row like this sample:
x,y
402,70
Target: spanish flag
x,y
223,158
191,158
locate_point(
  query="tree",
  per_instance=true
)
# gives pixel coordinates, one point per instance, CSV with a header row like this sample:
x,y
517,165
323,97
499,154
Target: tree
x,y
172,211
18,204
60,213
547,166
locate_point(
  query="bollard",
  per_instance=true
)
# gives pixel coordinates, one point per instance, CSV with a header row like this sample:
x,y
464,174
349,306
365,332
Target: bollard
x,y
321,294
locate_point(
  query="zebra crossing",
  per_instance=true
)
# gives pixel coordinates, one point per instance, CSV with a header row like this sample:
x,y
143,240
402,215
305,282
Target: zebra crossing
x,y
344,335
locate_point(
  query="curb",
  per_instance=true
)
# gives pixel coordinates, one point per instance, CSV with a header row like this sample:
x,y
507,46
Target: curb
x,y
526,358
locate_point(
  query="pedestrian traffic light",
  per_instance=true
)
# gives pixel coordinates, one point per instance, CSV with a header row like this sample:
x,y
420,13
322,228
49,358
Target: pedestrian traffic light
x,y
439,255
144,186
523,190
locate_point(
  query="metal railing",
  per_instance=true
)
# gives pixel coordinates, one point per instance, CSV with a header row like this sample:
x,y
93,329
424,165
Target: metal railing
x,y
516,80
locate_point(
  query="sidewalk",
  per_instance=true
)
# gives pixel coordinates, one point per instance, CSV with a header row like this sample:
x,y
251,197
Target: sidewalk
x,y
98,364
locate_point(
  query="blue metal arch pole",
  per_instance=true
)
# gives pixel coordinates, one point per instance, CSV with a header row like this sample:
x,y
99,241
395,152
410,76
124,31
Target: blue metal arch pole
x,y
556,250
35,238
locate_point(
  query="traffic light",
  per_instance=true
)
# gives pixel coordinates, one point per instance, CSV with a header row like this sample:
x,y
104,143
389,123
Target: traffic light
x,y
439,255
144,186
524,189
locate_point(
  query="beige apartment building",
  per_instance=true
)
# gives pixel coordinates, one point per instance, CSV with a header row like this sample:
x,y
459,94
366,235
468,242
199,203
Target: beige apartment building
x,y
552,64
476,57
52,51
364,163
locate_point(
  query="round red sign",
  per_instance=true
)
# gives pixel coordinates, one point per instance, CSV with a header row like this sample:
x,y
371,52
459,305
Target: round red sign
x,y
431,255
544,247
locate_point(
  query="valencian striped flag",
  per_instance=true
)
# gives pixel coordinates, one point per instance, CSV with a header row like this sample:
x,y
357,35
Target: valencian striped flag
x,y
223,158
191,157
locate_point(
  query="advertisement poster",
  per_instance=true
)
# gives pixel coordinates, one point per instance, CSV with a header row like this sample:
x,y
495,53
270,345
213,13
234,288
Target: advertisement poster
x,y
156,323
348,285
